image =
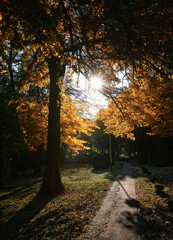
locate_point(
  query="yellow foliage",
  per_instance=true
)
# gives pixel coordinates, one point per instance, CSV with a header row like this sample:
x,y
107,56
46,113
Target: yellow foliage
x,y
33,116
147,103
3,71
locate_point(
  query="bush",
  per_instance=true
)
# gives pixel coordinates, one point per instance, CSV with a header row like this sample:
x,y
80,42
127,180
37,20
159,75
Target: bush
x,y
100,161
153,178
159,187
145,170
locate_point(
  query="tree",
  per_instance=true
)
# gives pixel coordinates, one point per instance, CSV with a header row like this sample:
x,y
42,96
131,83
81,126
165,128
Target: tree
x,y
145,103
90,38
11,139
141,49
142,53
100,139
32,108
56,31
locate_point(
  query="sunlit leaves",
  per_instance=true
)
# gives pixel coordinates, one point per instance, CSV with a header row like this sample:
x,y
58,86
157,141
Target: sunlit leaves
x,y
147,102
33,116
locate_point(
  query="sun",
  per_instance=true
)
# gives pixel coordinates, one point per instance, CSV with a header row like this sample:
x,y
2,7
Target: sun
x,y
96,82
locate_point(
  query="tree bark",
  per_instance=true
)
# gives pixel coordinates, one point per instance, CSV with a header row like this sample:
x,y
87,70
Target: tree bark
x,y
37,169
1,174
52,179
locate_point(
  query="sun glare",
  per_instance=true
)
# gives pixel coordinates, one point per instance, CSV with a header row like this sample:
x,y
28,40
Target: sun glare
x,y
96,83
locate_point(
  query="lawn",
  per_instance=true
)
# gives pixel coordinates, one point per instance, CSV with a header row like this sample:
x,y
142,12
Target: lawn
x,y
156,216
26,215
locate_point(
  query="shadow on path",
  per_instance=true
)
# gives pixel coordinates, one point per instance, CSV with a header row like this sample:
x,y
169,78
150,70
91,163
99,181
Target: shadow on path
x,y
121,185
147,223
132,203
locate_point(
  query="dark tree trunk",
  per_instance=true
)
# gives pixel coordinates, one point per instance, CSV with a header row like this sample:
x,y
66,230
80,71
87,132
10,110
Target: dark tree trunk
x,y
1,174
52,179
14,166
38,161
10,62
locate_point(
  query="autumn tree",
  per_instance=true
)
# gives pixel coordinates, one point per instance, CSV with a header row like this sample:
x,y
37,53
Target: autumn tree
x,y
95,36
59,33
140,42
146,101
32,108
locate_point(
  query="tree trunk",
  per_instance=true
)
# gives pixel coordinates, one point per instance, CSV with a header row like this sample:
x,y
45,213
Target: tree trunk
x,y
1,174
37,169
52,179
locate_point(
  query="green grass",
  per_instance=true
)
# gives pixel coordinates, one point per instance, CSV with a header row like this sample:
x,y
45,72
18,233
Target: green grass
x,y
156,219
25,215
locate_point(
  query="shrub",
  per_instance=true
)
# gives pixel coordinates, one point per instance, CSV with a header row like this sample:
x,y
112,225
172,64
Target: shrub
x,y
145,170
100,161
153,178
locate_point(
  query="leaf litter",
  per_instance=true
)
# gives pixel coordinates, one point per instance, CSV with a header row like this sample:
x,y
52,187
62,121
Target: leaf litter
x,y
156,219
63,217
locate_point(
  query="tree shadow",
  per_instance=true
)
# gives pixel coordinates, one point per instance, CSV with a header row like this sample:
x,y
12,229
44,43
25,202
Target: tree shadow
x,y
162,194
43,227
148,228
133,203
101,171
10,229
129,221
151,228
148,224
22,190
10,192
152,224
51,225
75,165
110,176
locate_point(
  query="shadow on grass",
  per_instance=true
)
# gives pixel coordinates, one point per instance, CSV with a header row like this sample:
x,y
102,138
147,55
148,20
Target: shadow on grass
x,y
35,230
162,194
155,227
10,229
74,166
8,193
110,175
101,171
146,225
155,223
146,228
52,226
23,189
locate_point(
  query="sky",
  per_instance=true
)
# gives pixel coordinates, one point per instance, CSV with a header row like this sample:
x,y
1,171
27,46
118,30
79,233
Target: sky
x,y
91,89
93,95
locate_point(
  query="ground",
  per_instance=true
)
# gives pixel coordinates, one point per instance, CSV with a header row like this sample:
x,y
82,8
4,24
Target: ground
x,y
25,215
156,217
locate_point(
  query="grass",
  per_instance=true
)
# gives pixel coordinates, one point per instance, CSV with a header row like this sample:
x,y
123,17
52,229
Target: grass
x,y
156,217
26,215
